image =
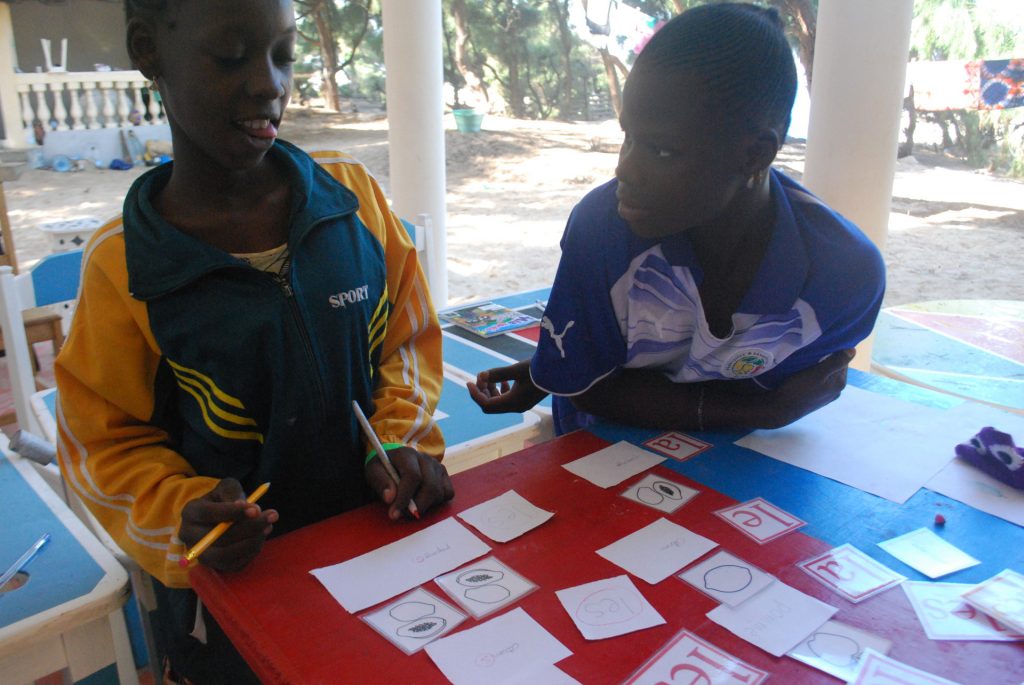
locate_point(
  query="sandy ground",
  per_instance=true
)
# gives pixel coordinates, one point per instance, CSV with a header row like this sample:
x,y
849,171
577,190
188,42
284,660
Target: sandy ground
x,y
954,233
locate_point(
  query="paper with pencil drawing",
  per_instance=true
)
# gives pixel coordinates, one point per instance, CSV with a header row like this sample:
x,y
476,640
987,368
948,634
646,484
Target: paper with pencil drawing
x,y
658,550
609,607
389,570
613,464
505,517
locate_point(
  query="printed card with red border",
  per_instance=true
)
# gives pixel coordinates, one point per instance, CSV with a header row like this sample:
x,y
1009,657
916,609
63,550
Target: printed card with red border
x,y
878,669
699,660
760,520
678,446
849,572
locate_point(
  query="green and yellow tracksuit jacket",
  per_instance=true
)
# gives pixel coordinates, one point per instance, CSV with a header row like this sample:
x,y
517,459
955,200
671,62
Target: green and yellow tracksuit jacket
x,y
185,365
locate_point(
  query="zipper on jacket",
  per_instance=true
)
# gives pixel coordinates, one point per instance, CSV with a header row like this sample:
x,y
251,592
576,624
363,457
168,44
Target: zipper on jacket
x,y
307,344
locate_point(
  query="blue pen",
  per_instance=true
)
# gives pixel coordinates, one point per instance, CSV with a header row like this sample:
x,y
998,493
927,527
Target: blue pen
x,y
23,560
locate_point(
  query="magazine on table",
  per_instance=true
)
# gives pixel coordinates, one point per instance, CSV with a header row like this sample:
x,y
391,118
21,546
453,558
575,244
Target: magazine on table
x,y
489,319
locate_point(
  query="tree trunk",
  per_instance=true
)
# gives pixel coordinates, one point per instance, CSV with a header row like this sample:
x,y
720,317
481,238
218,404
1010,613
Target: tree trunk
x,y
460,56
614,90
560,8
803,27
328,52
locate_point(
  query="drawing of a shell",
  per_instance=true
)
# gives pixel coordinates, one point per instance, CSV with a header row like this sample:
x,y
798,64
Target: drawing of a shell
x,y
488,594
727,578
649,495
479,576
428,627
411,611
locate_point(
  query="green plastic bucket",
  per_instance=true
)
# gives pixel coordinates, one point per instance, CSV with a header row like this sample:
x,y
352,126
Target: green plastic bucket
x,y
468,120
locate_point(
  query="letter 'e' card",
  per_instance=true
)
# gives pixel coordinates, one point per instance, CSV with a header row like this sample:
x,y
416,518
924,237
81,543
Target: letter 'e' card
x,y
678,446
688,659
760,520
851,573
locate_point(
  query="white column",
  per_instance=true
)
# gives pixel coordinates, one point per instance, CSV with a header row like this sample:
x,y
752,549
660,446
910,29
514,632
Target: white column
x,y
413,61
860,63
10,103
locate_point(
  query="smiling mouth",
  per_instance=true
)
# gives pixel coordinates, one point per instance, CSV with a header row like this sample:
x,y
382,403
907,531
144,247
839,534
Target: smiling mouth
x,y
264,129
631,212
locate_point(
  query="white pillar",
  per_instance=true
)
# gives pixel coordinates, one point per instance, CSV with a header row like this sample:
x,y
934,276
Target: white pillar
x,y
10,103
860,63
413,62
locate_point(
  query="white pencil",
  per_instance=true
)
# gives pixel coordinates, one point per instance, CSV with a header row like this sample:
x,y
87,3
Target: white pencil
x,y
375,443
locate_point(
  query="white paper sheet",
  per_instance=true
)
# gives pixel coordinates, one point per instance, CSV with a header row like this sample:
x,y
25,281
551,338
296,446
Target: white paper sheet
x,y
964,483
613,464
876,443
776,619
657,550
497,651
836,648
389,570
505,517
727,579
926,552
608,608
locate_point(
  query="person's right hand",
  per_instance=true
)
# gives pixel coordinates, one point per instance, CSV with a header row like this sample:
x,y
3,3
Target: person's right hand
x,y
808,390
242,541
493,392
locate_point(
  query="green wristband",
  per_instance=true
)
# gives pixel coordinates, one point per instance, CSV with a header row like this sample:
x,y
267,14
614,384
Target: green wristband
x,y
387,446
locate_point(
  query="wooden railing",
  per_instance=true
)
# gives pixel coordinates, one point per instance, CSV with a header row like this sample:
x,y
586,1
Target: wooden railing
x,y
79,100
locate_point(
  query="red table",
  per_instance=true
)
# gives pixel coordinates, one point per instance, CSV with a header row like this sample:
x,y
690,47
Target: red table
x,y
290,630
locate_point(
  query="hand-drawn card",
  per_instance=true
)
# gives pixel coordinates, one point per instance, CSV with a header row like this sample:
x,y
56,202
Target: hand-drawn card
x,y
485,586
505,517
693,656
879,669
609,607
497,650
727,578
414,620
945,615
657,550
659,493
851,573
678,446
776,619
613,464
926,552
1001,597
760,520
837,648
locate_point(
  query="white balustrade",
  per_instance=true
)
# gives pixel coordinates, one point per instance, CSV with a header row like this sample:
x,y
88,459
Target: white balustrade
x,y
64,101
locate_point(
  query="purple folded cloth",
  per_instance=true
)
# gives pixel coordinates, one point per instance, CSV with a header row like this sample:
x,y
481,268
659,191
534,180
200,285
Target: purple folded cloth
x,y
994,453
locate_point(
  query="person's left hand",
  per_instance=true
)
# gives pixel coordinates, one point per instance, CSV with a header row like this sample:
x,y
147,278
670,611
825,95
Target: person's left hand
x,y
422,479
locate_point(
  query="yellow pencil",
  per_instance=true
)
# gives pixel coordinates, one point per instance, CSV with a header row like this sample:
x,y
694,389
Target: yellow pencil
x,y
218,530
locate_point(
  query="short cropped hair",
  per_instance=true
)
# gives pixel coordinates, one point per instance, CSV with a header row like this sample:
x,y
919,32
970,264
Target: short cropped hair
x,y
145,9
740,52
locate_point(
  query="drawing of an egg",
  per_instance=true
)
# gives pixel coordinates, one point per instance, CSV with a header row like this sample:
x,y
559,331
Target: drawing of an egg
x,y
411,611
649,495
727,578
670,490
428,627
479,576
488,594
835,649
606,607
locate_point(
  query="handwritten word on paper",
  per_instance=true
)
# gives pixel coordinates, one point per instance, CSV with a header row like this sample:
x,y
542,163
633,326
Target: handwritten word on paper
x,y
614,464
392,569
945,615
926,552
760,520
658,550
496,651
505,517
879,669
776,619
851,573
607,608
688,659
678,446
836,648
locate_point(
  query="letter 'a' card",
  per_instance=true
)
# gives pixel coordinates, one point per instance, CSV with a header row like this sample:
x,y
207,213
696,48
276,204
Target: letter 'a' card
x,y
849,572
